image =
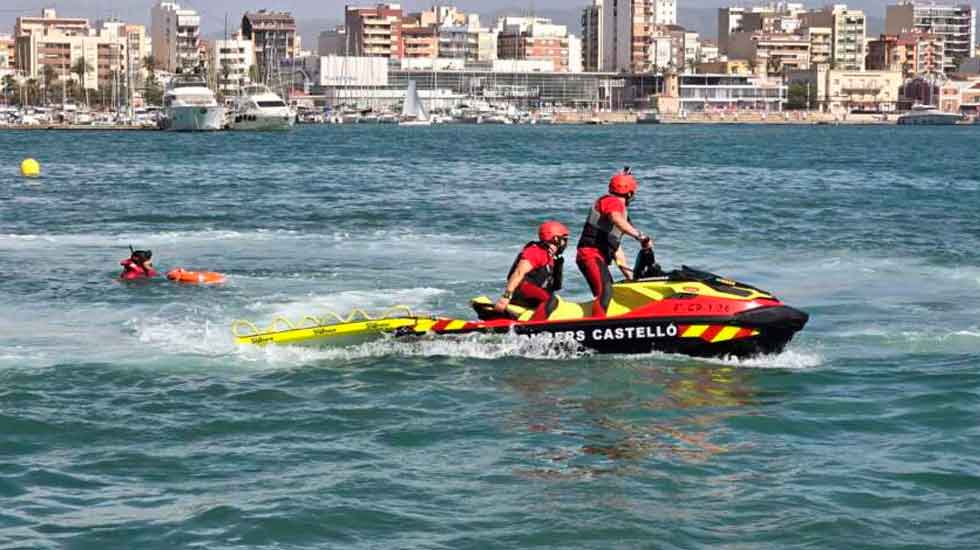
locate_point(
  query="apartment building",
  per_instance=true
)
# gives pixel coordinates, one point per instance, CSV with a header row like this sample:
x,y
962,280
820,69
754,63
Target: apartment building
x,y
592,37
375,31
770,53
912,53
232,60
533,39
848,31
176,36
105,55
8,52
49,20
956,25
274,40
332,42
821,44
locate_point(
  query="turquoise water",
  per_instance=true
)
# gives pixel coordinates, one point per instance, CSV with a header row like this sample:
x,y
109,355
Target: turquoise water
x,y
128,417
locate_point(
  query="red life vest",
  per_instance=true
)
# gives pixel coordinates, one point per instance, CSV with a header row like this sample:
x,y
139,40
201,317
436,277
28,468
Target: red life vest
x,y
600,233
548,276
133,270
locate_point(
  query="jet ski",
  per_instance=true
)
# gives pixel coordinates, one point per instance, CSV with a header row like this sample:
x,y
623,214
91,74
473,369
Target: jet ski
x,y
686,311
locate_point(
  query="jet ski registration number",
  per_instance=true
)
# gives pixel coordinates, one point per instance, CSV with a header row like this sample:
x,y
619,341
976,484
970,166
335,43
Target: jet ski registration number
x,y
618,333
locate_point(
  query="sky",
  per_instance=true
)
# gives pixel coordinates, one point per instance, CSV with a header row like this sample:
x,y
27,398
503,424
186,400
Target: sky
x,y
213,11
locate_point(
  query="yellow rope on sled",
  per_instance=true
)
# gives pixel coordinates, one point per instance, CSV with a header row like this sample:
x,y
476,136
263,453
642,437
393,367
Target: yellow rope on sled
x,y
311,321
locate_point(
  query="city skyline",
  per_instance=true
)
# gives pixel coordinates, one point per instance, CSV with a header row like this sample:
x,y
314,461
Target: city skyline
x,y
213,11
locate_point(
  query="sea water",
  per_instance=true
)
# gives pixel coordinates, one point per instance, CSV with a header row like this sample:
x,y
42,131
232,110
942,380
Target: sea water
x,y
130,419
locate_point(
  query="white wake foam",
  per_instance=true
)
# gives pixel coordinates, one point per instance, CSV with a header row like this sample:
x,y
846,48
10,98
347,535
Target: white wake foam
x,y
473,346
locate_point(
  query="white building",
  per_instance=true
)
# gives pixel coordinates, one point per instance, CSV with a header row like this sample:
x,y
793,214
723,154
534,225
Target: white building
x,y
708,52
848,34
627,28
176,35
661,12
104,55
574,54
692,48
231,61
138,44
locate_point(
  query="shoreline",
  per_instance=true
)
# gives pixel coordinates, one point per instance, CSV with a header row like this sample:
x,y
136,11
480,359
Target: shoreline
x,y
616,119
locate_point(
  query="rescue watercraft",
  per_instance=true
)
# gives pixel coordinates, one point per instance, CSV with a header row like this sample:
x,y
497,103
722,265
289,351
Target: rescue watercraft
x,y
685,311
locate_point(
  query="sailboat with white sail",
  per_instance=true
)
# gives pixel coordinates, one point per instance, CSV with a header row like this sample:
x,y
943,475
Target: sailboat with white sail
x,y
413,112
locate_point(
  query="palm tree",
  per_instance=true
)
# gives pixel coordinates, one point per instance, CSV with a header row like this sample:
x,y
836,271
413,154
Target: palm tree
x,y
225,76
9,85
82,68
33,89
773,66
50,77
150,64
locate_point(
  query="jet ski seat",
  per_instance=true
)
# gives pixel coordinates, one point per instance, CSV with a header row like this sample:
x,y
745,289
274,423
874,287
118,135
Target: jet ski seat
x,y
626,297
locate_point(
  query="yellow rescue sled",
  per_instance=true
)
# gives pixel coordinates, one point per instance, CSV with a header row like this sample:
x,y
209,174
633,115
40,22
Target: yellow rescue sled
x,y
333,329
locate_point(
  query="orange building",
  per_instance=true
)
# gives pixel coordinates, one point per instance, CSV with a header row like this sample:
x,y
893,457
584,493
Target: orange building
x,y
375,31
421,42
533,39
912,53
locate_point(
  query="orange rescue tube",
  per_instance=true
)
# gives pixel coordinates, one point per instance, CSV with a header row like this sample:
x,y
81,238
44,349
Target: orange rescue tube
x,y
195,277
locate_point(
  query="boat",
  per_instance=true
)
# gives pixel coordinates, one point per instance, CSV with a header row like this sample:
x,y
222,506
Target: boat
x,y
387,118
189,105
685,311
494,119
928,115
259,108
413,112
648,117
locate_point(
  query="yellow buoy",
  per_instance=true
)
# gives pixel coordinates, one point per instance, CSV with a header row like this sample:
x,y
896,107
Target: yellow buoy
x,y
30,168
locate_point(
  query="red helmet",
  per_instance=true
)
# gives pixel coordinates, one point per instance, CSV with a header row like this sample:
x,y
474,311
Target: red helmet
x,y
551,229
622,184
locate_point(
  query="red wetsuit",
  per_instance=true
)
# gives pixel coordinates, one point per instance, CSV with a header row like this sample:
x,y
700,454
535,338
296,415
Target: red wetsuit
x,y
597,248
539,285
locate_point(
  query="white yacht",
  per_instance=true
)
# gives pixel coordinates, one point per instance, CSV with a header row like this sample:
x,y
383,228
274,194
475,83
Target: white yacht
x,y
928,114
260,109
189,105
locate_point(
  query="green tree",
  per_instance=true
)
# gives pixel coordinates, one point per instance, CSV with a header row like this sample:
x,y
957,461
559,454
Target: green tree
x,y
153,92
225,72
9,86
50,79
32,91
800,95
81,67
150,66
773,66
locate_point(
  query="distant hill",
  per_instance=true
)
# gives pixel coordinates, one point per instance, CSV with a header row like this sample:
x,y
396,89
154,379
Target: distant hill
x,y
703,21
